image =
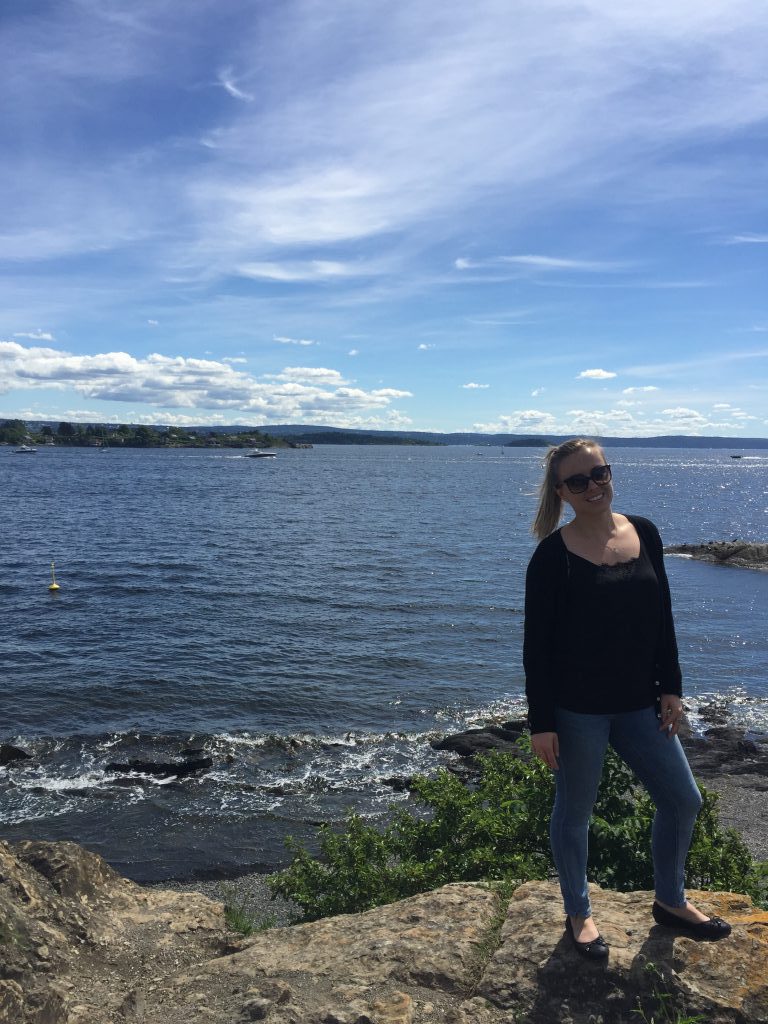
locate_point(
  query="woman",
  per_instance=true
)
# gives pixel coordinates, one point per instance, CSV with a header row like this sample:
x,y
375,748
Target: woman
x,y
600,657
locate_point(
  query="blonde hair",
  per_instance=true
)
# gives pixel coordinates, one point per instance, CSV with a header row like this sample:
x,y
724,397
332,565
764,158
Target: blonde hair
x,y
550,503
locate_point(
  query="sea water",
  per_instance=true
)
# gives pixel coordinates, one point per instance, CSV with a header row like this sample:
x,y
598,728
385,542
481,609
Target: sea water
x,y
309,622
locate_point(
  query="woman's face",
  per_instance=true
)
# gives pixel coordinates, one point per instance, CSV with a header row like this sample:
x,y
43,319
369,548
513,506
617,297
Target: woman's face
x,y
597,497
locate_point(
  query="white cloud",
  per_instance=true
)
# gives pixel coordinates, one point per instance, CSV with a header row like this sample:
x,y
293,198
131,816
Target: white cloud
x,y
306,394
152,323
624,419
539,263
682,414
595,375
309,270
721,405
423,347
632,391
293,341
234,359
227,81
749,239
476,386
522,421
391,393
35,335
537,391
353,352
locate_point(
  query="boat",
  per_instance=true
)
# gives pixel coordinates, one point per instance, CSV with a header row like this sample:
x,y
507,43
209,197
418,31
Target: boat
x,y
261,455
24,449
737,456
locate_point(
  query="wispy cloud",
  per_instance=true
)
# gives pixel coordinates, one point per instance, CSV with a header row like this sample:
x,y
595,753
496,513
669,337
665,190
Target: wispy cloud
x,y
749,239
544,263
35,335
228,82
310,270
635,390
476,387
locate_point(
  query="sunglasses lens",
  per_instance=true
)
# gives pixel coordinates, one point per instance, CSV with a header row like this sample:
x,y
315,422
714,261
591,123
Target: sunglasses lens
x,y
577,484
601,474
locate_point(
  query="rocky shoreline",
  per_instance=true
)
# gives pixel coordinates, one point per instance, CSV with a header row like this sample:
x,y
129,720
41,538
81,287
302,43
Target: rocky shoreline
x,y
741,553
725,759
79,944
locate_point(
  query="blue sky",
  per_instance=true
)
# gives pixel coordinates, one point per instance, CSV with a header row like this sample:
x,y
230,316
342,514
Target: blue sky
x,y
522,216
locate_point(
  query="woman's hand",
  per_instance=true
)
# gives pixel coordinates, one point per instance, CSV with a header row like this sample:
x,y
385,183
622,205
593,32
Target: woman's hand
x,y
671,714
546,747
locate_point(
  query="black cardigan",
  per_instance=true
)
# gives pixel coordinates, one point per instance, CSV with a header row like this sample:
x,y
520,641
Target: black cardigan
x,y
545,596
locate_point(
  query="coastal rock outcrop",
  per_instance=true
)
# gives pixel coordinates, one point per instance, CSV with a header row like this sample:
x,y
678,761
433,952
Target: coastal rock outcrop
x,y
81,945
742,553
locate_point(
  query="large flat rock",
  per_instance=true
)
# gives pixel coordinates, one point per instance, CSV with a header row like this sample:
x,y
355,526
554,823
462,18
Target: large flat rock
x,y
81,945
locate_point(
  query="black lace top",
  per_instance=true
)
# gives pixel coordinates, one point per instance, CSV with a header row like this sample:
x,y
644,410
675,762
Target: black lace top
x,y
598,639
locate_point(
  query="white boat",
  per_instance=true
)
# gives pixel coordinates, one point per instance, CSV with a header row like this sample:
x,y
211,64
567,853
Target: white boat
x,y
24,449
261,455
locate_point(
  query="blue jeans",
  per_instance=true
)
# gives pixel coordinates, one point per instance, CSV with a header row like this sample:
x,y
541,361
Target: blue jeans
x,y
659,763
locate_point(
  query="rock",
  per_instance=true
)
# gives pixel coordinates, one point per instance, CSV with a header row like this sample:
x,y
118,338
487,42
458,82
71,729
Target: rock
x,y
74,933
161,768
10,754
535,970
725,552
725,749
459,955
480,741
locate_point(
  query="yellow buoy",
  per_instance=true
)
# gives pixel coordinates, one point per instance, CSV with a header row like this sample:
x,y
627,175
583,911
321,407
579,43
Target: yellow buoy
x,y
54,585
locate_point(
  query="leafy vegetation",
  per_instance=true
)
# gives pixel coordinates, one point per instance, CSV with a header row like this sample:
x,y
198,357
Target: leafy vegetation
x,y
498,829
93,435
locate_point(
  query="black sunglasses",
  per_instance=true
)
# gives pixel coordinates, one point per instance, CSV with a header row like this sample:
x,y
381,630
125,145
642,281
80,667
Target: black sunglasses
x,y
579,482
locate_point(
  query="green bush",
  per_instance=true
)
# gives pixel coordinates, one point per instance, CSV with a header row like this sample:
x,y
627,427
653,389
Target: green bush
x,y
498,829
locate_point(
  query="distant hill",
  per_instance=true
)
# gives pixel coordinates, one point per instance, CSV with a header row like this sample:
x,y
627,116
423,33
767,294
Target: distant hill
x,y
516,440
314,434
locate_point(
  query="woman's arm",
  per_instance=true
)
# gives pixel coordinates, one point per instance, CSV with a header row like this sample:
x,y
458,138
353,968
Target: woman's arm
x,y
668,661
543,582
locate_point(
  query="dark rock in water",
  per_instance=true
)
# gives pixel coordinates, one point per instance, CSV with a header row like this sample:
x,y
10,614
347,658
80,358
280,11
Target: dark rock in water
x,y
399,783
725,552
725,750
9,754
480,741
714,713
518,725
177,768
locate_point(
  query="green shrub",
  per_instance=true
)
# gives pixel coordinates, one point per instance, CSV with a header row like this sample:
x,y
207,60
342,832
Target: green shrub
x,y
498,829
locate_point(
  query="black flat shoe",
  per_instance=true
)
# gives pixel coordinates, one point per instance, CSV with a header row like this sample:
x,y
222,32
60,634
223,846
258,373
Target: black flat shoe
x,y
714,928
597,949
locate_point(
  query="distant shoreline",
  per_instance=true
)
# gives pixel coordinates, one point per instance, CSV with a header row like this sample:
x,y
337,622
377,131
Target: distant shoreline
x,y
285,433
